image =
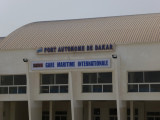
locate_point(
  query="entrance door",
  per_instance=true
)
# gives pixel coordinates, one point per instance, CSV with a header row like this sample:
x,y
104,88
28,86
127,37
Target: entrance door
x,y
61,115
96,114
153,115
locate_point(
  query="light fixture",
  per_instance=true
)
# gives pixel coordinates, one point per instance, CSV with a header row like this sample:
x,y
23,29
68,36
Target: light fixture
x,y
114,56
25,60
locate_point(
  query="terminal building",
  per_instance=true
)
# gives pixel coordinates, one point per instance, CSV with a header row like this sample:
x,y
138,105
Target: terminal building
x,y
86,69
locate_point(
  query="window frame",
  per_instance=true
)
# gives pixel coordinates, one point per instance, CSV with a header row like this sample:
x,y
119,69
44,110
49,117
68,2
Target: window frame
x,y
141,83
54,84
92,84
18,87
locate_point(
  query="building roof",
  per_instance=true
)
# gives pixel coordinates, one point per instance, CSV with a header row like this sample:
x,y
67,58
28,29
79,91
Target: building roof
x,y
118,30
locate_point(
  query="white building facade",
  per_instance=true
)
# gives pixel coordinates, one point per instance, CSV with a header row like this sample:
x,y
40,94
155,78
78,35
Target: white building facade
x,y
89,69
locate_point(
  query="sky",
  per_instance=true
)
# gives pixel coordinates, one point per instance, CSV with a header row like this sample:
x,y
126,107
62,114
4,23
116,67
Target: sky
x,y
16,13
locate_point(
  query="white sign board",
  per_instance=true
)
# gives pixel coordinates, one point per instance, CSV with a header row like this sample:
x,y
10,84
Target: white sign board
x,y
71,64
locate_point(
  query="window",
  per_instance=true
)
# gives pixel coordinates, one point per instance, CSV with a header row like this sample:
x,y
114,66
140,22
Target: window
x,y
54,83
61,115
13,84
45,115
135,114
153,116
97,82
144,81
112,114
96,113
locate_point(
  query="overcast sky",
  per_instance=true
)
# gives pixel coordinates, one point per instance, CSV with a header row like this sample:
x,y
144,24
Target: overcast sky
x,y
16,13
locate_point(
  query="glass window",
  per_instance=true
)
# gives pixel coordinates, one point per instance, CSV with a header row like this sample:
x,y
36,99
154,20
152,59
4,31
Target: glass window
x,y
47,79
144,88
97,111
12,90
19,79
64,89
22,90
135,77
54,89
87,88
3,90
7,80
44,89
57,82
61,78
113,111
132,88
97,82
97,88
152,76
89,77
107,88
14,84
105,77
155,87
45,115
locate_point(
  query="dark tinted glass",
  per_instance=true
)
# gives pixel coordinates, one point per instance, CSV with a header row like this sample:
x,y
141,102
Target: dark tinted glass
x,y
47,79
155,87
86,88
19,79
57,118
107,88
144,88
150,118
7,80
113,111
97,118
21,90
135,77
89,77
64,89
136,112
97,111
13,90
61,78
54,89
44,89
105,77
152,76
61,112
97,88
63,118
3,90
132,88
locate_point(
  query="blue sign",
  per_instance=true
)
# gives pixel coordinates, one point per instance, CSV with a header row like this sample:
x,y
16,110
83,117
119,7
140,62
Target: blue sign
x,y
70,64
80,48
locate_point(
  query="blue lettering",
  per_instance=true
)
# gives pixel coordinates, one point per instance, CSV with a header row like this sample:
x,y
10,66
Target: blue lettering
x,y
49,65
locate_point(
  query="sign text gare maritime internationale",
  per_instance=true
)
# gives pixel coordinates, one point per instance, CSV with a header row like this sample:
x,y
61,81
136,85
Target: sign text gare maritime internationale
x,y
79,48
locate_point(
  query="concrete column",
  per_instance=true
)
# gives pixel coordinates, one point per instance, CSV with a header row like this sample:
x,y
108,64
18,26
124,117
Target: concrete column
x,y
89,110
121,105
1,110
35,110
12,110
122,110
78,110
131,111
50,110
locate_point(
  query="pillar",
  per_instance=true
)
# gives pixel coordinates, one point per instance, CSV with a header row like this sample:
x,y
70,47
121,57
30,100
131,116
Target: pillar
x,y
50,110
35,110
77,110
12,110
89,110
122,110
131,111
1,111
